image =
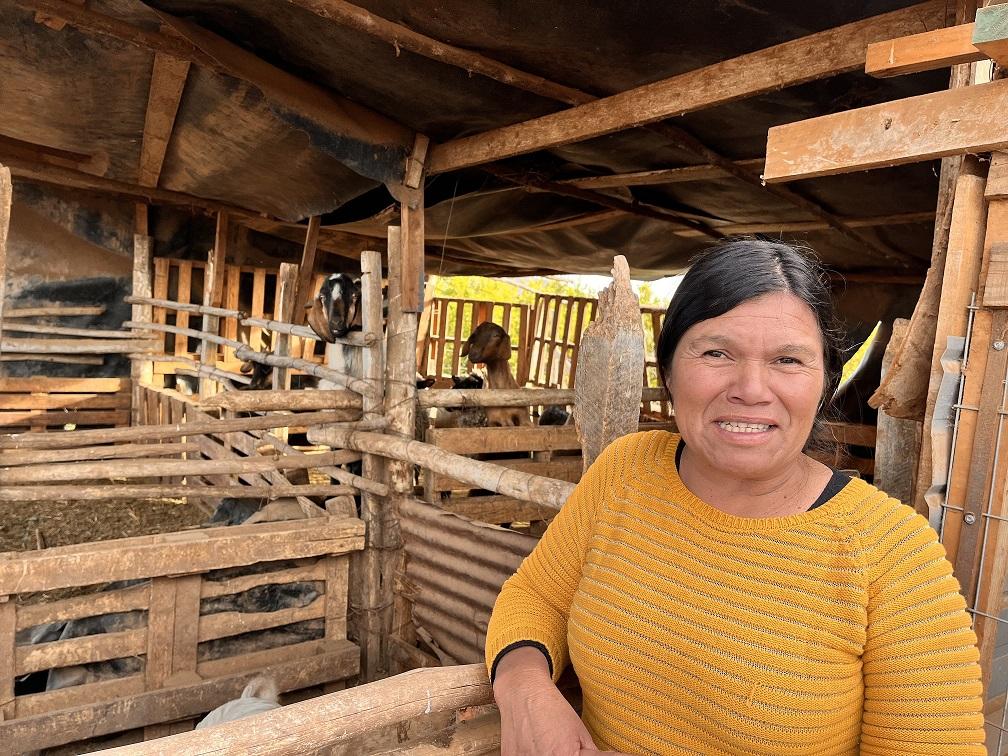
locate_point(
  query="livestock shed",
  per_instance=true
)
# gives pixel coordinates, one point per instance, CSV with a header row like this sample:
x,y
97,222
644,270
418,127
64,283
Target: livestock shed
x,y
180,183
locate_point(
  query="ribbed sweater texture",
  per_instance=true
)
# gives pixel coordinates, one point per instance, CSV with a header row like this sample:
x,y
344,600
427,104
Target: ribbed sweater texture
x,y
840,630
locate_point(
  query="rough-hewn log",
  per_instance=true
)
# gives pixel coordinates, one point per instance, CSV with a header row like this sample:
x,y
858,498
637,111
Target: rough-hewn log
x,y
126,468
11,345
123,451
783,65
361,386
123,492
319,723
53,311
524,486
274,400
170,304
509,397
158,432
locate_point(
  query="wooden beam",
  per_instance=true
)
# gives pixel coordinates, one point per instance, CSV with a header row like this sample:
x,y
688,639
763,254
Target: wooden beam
x,y
785,65
141,371
42,153
402,37
927,51
6,198
213,296
604,200
662,176
60,176
892,133
398,35
168,80
990,33
306,271
297,100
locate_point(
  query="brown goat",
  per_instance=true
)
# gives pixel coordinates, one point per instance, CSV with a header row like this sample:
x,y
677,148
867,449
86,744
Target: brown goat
x,y
491,345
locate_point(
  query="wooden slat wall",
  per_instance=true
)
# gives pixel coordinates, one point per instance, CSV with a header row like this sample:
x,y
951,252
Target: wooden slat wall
x,y
39,403
253,288
173,628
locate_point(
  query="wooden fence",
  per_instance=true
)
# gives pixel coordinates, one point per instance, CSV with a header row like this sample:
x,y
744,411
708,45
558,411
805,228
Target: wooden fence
x,y
39,403
181,664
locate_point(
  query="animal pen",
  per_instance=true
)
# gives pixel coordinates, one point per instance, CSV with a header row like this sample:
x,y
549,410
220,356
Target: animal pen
x,y
391,154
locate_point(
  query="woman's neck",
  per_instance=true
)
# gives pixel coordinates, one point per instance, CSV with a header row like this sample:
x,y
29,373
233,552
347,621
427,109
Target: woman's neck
x,y
779,493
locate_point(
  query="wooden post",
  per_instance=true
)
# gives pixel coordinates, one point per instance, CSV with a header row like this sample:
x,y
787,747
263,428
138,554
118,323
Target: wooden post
x,y
141,370
6,198
213,296
412,260
306,272
897,441
286,292
7,627
400,399
371,590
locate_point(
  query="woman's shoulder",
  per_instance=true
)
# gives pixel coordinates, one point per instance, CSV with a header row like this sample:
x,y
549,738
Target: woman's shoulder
x,y
881,523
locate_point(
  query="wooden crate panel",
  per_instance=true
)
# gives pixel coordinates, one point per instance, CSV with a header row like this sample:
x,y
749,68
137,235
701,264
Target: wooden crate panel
x,y
43,402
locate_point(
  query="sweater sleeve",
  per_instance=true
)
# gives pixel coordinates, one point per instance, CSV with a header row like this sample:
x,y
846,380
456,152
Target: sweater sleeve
x,y
923,693
534,603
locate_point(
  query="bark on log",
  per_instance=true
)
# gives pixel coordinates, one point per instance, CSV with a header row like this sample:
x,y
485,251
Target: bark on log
x,y
607,383
124,451
319,723
510,397
167,491
114,469
156,432
525,486
260,401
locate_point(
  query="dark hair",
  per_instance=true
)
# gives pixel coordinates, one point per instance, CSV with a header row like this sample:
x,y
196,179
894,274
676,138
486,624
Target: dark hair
x,y
737,270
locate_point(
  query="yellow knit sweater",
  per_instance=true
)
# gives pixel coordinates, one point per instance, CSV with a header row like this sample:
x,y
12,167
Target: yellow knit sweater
x,y
840,630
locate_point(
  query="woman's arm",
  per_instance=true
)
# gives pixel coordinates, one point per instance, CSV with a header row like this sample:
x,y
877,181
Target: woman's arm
x,y
923,693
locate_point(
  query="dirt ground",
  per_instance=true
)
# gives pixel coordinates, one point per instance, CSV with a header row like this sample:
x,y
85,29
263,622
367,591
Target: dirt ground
x,y
25,526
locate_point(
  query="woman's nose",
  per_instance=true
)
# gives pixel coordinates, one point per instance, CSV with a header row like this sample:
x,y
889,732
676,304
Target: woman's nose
x,y
750,383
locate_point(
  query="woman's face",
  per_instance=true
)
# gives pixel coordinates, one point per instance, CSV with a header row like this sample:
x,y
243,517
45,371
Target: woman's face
x,y
746,386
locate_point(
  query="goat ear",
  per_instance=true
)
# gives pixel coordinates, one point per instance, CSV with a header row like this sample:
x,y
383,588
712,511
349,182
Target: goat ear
x,y
465,348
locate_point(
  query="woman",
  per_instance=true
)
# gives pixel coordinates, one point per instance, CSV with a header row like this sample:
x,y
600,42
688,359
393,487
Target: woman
x,y
720,591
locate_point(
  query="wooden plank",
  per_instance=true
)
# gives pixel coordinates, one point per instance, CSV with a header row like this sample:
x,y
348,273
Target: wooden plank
x,y
260,660
496,509
177,553
33,346
8,624
892,133
981,462
337,582
990,33
91,648
168,79
232,299
213,296
90,605
184,294
52,419
287,283
51,385
125,451
64,401
258,304
473,440
160,633
225,624
412,270
307,573
926,51
6,198
187,625
34,704
773,68
338,661
56,311
663,176
304,290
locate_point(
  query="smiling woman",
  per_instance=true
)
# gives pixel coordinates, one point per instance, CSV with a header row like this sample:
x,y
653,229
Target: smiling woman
x,y
720,591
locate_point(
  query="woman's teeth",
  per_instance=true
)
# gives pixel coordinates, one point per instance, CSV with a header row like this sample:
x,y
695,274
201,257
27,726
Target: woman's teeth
x,y
733,427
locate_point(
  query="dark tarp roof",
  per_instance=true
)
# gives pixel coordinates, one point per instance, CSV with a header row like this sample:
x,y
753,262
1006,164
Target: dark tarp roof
x,y
86,92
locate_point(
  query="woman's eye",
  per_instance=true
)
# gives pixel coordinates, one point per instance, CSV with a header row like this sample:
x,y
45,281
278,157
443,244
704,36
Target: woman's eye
x,y
789,361
717,353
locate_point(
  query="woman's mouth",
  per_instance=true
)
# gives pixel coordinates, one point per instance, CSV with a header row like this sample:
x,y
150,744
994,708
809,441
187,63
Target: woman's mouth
x,y
733,426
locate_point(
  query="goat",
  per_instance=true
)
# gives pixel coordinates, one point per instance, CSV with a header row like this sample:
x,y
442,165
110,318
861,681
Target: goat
x,y
490,344
260,695
461,417
554,414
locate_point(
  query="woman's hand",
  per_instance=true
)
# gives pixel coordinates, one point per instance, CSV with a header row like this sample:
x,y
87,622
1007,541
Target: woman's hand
x,y
536,719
